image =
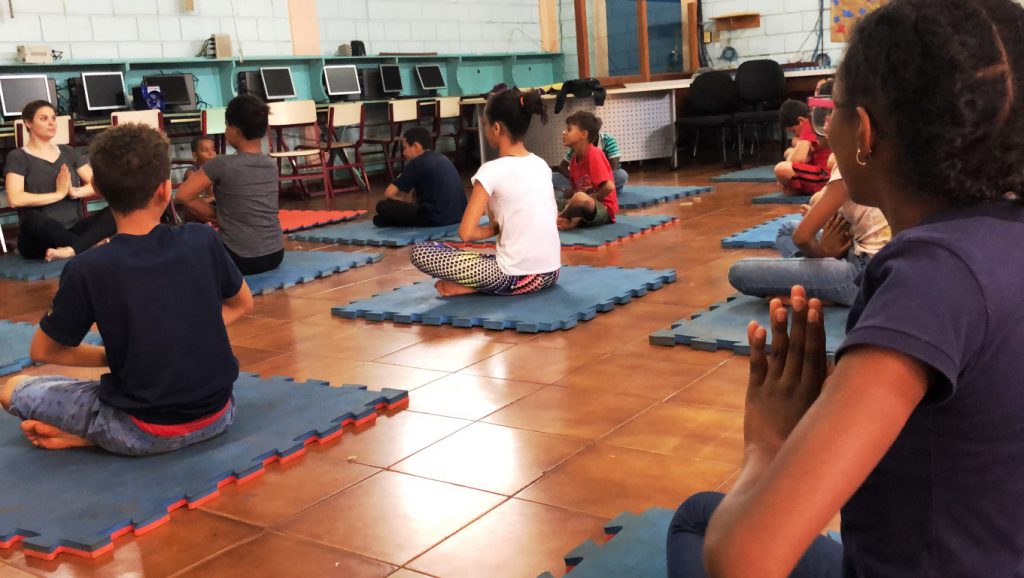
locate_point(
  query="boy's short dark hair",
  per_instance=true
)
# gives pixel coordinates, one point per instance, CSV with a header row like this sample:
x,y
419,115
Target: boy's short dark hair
x,y
128,163
249,115
195,142
791,111
418,134
587,121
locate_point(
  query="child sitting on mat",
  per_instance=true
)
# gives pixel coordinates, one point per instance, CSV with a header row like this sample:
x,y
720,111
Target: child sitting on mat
x,y
595,200
915,435
246,187
203,150
562,178
440,198
515,190
805,170
161,297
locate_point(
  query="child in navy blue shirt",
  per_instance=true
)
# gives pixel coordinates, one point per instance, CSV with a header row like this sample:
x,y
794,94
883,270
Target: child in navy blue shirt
x,y
161,298
916,435
438,195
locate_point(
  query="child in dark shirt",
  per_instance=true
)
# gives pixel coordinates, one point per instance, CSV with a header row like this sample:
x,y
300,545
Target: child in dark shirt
x,y
438,195
916,434
161,297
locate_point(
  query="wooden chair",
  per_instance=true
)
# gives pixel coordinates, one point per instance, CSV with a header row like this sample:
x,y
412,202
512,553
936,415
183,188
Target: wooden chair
x,y
449,108
299,114
343,119
151,118
399,113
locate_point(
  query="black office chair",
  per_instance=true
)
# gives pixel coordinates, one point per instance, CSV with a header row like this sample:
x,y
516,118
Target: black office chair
x,y
762,88
713,100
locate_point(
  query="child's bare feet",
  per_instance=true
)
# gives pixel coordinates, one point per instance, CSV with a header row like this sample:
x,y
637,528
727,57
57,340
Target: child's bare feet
x,y
59,253
44,435
451,289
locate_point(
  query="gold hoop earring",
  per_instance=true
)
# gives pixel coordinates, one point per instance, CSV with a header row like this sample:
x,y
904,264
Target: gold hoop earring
x,y
865,161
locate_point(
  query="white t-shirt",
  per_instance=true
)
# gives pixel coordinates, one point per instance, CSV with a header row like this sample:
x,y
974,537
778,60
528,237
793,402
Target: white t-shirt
x,y
871,230
523,203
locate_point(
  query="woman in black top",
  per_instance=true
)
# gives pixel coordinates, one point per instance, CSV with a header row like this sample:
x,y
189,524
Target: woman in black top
x,y
46,183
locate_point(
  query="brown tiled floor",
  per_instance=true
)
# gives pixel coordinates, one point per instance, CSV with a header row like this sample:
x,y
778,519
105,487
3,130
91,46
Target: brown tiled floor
x,y
515,447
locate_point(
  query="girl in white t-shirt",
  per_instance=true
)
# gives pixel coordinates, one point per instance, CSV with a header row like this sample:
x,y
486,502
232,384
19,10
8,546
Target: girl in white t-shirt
x,y
515,191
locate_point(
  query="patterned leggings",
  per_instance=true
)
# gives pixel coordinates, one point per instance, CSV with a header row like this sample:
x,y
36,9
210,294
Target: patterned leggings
x,y
475,270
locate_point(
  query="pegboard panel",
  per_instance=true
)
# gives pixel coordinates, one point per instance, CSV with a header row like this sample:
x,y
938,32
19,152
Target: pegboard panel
x,y
641,122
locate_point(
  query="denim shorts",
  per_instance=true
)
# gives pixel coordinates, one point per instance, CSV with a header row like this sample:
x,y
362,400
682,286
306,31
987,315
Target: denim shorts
x,y
73,405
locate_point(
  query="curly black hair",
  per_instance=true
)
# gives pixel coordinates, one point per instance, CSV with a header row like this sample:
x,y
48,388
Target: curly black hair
x,y
515,109
942,81
249,115
128,163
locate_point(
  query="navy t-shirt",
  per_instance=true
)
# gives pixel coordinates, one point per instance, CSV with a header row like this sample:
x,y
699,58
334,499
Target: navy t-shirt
x,y
948,497
156,299
438,187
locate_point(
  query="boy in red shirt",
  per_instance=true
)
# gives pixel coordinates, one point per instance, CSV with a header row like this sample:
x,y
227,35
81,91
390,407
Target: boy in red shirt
x,y
595,201
805,170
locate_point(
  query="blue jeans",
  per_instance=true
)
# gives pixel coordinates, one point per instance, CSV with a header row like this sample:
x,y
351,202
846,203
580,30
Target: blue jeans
x,y
828,279
562,184
824,558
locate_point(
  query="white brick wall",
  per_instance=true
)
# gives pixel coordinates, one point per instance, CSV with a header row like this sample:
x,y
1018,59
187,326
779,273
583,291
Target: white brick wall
x,y
787,31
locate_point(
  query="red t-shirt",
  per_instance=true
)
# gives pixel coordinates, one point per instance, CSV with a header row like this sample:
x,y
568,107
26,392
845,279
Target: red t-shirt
x,y
588,174
819,154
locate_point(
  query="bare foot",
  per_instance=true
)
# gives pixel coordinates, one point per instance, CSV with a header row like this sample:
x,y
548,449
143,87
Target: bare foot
x,y
59,253
44,435
451,289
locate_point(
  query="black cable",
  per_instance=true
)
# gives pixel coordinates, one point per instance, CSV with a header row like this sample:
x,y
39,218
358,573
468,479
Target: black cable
x,y
702,49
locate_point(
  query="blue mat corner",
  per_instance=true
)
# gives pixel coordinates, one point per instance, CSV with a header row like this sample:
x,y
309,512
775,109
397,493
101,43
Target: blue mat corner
x,y
78,501
761,236
15,339
581,292
724,326
304,266
781,199
639,196
635,548
755,175
366,233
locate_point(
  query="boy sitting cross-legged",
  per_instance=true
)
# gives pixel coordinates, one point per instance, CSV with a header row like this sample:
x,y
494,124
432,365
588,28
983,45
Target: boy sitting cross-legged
x,y
161,297
594,201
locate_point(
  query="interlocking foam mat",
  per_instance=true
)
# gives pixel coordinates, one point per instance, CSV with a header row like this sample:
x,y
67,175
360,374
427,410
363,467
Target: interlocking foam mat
x,y
724,326
760,237
304,266
17,268
581,292
624,228
78,501
15,339
295,220
366,233
638,196
781,199
635,548
754,175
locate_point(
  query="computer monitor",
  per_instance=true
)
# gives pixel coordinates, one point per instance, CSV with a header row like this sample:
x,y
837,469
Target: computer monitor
x,y
430,77
17,91
176,89
390,79
277,82
103,90
342,80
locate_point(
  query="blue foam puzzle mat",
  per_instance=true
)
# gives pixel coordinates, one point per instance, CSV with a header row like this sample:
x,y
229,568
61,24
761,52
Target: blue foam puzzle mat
x,y
15,339
78,501
366,233
760,237
625,227
638,196
303,266
581,292
754,175
724,326
17,268
781,199
635,548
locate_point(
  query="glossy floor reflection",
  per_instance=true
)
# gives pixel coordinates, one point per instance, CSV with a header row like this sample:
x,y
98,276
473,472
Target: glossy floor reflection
x,y
515,447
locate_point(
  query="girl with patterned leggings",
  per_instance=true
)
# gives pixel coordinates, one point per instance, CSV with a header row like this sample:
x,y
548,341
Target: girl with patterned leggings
x,y
515,191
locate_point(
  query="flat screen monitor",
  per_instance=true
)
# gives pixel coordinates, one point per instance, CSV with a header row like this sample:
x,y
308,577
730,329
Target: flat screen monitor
x,y
176,89
103,90
17,91
341,80
430,77
277,82
390,79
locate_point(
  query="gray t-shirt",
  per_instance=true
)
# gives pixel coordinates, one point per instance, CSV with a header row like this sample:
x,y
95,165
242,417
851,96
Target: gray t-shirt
x,y
41,178
245,185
